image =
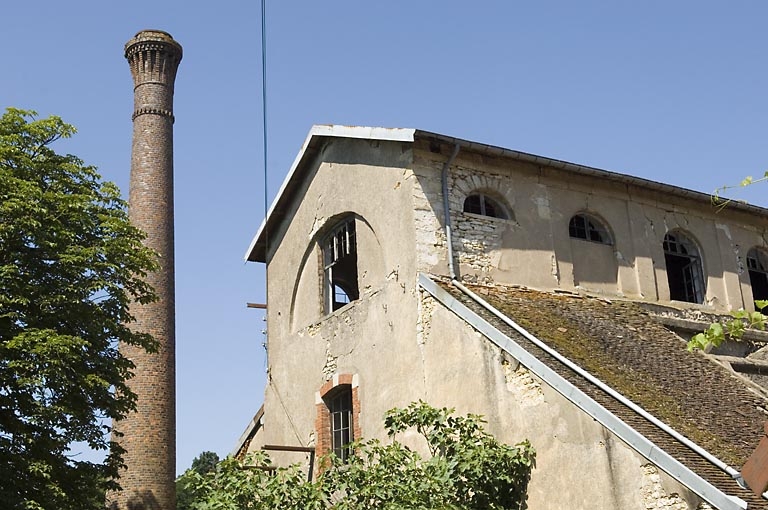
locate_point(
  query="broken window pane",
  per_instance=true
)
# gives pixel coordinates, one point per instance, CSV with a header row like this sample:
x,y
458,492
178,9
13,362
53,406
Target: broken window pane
x,y
684,269
757,264
340,266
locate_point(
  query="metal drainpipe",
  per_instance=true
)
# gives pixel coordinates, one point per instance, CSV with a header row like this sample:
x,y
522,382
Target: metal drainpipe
x,y
447,211
733,473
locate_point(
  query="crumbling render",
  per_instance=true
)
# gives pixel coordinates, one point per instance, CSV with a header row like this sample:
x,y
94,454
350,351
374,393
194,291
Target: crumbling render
x,y
656,497
521,384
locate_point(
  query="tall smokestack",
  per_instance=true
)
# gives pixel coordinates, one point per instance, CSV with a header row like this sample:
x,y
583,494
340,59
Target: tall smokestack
x,y
149,433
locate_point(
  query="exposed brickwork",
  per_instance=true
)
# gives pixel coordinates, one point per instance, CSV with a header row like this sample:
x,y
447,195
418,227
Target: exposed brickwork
x,y
150,432
323,444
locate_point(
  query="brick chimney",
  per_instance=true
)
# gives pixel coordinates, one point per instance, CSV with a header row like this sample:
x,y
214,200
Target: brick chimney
x,y
149,433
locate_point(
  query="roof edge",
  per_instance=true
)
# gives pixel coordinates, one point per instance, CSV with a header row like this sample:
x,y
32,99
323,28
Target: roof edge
x,y
254,254
250,430
589,170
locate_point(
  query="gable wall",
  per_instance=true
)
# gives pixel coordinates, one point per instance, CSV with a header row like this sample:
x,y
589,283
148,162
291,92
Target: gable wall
x,y
534,249
307,347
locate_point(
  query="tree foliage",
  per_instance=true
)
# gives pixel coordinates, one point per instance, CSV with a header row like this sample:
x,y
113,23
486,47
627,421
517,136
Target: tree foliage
x,y
201,465
205,462
467,468
70,264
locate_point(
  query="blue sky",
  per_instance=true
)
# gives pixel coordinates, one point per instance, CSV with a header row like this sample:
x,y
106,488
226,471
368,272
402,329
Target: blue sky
x,y
669,91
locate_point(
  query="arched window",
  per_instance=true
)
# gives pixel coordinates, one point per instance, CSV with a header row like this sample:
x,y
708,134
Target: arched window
x,y
340,266
586,227
479,203
757,264
684,269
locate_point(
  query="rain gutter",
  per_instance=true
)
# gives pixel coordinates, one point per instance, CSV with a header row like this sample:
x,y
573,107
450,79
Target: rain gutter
x,y
630,436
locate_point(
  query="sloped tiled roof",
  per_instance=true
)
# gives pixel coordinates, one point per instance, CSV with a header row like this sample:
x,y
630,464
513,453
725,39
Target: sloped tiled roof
x,y
625,346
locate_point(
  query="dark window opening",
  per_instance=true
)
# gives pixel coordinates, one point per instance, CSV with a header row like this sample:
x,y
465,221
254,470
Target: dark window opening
x,y
757,264
340,266
485,206
684,270
582,226
340,408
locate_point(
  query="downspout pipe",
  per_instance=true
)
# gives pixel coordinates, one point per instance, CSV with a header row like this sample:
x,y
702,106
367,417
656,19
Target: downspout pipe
x,y
733,473
447,211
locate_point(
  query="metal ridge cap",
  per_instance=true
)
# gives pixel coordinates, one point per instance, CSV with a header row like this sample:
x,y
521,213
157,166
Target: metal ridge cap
x,y
364,132
613,423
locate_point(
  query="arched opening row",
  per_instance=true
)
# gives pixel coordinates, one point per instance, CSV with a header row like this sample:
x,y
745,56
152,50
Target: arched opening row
x,y
685,270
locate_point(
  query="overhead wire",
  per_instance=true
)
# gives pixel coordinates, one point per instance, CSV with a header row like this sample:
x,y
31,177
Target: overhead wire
x,y
266,208
264,151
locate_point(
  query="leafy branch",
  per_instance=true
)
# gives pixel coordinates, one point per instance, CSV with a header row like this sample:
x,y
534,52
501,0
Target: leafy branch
x,y
719,332
721,203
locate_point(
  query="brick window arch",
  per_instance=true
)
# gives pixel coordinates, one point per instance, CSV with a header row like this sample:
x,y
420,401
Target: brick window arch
x,y
337,421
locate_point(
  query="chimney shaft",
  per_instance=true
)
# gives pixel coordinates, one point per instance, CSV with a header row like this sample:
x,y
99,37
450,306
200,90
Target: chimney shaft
x,y
149,433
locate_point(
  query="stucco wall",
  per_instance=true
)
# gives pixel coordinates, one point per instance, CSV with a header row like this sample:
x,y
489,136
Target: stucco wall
x,y
307,346
534,248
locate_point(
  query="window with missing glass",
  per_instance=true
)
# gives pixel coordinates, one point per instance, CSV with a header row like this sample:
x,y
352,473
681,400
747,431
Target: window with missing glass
x,y
757,265
588,228
685,273
340,284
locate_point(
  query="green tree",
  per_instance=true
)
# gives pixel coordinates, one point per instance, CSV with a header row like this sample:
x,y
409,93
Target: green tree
x,y
205,462
201,465
70,264
467,469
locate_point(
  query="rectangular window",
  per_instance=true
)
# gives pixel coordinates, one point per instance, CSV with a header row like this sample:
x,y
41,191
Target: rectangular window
x,y
340,407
